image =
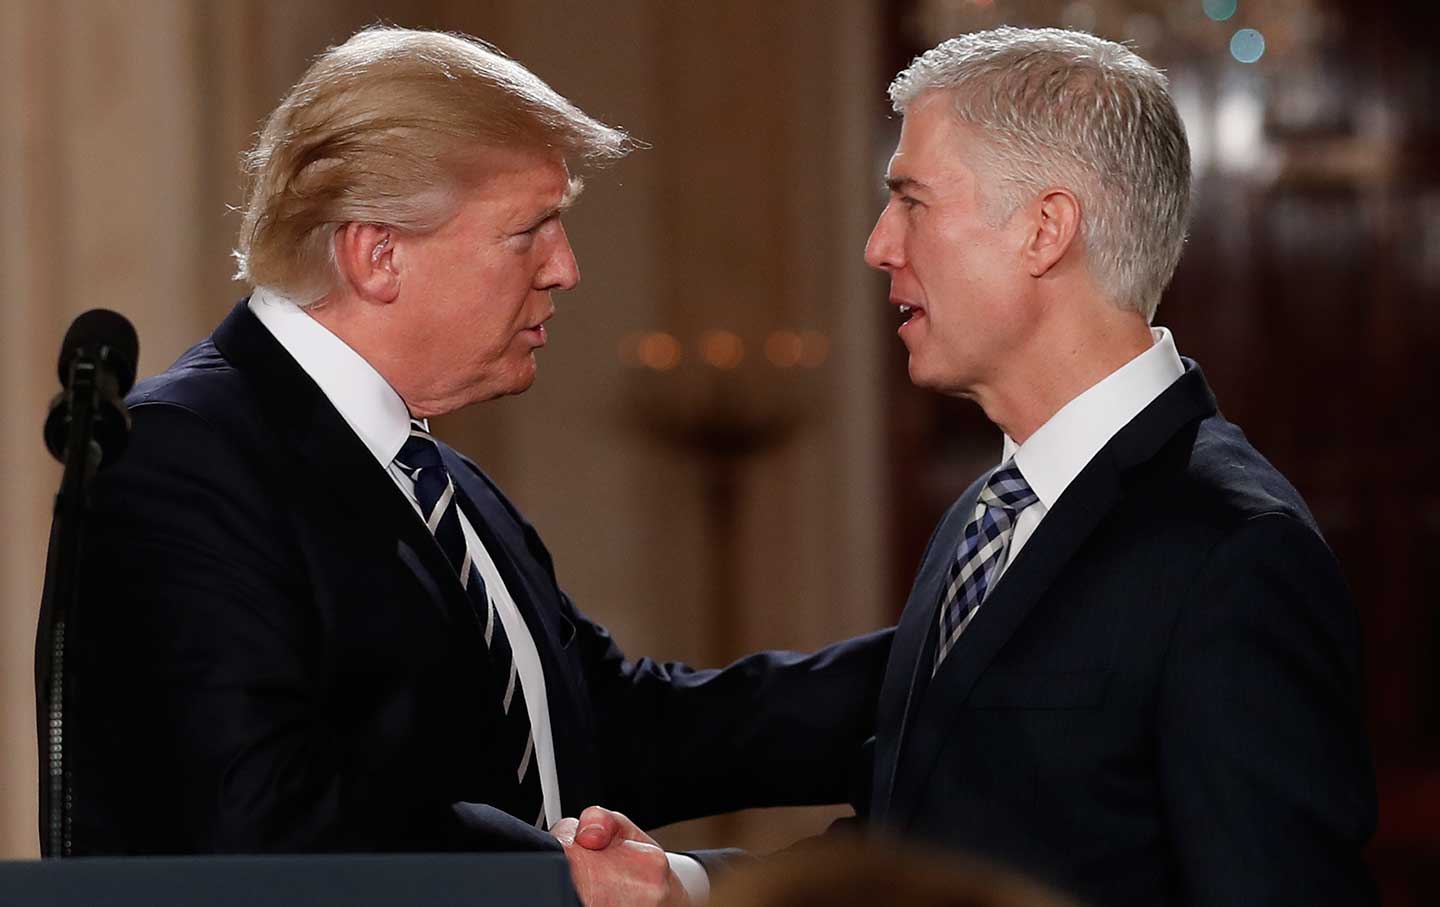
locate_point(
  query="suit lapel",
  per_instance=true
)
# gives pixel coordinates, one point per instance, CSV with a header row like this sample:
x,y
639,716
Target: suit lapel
x,y
1092,495
1088,499
300,417
906,672
533,590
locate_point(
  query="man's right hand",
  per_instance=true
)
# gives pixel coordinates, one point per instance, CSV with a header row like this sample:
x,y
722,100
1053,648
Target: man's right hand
x,y
626,872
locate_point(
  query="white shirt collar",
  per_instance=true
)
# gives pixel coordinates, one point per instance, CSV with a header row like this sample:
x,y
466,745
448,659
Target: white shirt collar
x,y
364,399
1054,455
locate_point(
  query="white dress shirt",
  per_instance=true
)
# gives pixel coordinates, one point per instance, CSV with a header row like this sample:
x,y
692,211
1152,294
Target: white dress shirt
x,y
1054,455
377,415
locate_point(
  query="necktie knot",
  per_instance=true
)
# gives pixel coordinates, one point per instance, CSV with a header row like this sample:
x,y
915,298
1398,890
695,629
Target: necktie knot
x,y
419,452
1008,490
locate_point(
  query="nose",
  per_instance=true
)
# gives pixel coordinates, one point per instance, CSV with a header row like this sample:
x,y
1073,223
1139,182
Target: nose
x,y
883,250
561,271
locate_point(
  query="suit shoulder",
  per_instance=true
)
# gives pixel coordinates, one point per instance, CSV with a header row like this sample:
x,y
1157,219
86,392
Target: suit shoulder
x,y
1205,490
1231,483
203,383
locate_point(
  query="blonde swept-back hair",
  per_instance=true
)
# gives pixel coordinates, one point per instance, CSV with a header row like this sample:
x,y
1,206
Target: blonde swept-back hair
x,y
383,129
1058,107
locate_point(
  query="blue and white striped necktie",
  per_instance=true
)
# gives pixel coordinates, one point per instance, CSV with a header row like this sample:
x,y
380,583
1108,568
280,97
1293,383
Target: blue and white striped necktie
x,y
437,495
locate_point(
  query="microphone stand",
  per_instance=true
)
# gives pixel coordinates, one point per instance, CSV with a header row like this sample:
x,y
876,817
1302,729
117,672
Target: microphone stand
x,y
53,688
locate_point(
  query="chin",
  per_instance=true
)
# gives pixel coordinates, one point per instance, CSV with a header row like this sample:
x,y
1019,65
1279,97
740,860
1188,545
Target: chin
x,y
521,381
938,381
494,389
920,377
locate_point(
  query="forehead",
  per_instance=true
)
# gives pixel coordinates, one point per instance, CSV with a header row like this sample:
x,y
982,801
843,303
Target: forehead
x,y
934,146
519,178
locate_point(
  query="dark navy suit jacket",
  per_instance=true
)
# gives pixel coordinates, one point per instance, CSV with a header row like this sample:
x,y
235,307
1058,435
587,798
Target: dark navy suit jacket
x,y
271,653
1160,702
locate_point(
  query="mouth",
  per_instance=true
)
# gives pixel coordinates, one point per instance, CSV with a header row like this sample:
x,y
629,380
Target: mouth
x,y
536,331
909,311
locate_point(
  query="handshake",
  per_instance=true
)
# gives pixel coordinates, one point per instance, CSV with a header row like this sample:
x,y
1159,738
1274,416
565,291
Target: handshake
x,y
614,862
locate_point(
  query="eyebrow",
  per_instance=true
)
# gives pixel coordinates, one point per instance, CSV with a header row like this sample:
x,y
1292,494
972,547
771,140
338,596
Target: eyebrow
x,y
901,184
573,187
546,215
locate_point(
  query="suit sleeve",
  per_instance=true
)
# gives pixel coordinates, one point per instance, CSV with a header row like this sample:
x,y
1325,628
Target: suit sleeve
x,y
672,742
211,728
771,729
1265,768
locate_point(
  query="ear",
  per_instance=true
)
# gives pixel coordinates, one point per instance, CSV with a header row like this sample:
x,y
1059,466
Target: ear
x,y
365,254
1055,225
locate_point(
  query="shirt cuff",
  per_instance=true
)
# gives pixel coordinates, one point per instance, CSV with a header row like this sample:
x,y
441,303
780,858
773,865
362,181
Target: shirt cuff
x,y
692,877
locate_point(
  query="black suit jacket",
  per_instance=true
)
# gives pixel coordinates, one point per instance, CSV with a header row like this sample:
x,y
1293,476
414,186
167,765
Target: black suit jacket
x,y
273,655
1160,702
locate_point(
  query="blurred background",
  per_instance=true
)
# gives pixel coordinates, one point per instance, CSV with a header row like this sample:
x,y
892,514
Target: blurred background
x,y
723,451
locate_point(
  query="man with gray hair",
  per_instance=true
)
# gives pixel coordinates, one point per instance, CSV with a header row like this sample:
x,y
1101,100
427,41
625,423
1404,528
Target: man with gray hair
x,y
1129,663
311,626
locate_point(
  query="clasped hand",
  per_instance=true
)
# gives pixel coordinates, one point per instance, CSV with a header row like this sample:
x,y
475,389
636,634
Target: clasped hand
x,y
613,862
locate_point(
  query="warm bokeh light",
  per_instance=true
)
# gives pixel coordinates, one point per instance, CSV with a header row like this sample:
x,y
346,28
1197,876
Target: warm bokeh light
x,y
722,349
814,349
659,351
784,349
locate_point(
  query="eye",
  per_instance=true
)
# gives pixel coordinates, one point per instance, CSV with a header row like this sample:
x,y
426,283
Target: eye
x,y
539,225
523,240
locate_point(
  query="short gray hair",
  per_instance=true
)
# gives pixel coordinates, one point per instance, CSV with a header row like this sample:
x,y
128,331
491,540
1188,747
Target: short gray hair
x,y
383,129
1057,107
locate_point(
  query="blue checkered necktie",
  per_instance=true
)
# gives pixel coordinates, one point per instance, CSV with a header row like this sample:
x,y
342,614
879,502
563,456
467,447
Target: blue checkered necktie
x,y
982,552
436,493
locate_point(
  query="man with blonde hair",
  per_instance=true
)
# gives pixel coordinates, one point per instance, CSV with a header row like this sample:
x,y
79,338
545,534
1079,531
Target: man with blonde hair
x,y
321,629
1129,663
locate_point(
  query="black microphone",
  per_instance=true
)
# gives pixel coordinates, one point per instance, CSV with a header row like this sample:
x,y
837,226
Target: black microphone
x,y
87,428
97,369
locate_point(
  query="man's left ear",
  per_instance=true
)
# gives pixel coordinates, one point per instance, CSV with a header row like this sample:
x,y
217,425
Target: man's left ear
x,y
1055,226
365,254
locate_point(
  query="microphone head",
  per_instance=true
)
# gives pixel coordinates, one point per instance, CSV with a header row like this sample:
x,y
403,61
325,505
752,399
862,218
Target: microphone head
x,y
105,335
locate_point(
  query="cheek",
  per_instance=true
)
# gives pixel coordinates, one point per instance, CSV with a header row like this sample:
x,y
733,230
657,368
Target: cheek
x,y
938,253
510,279
947,275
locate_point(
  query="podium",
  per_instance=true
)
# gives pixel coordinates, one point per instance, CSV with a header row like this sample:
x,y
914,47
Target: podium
x,y
439,880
